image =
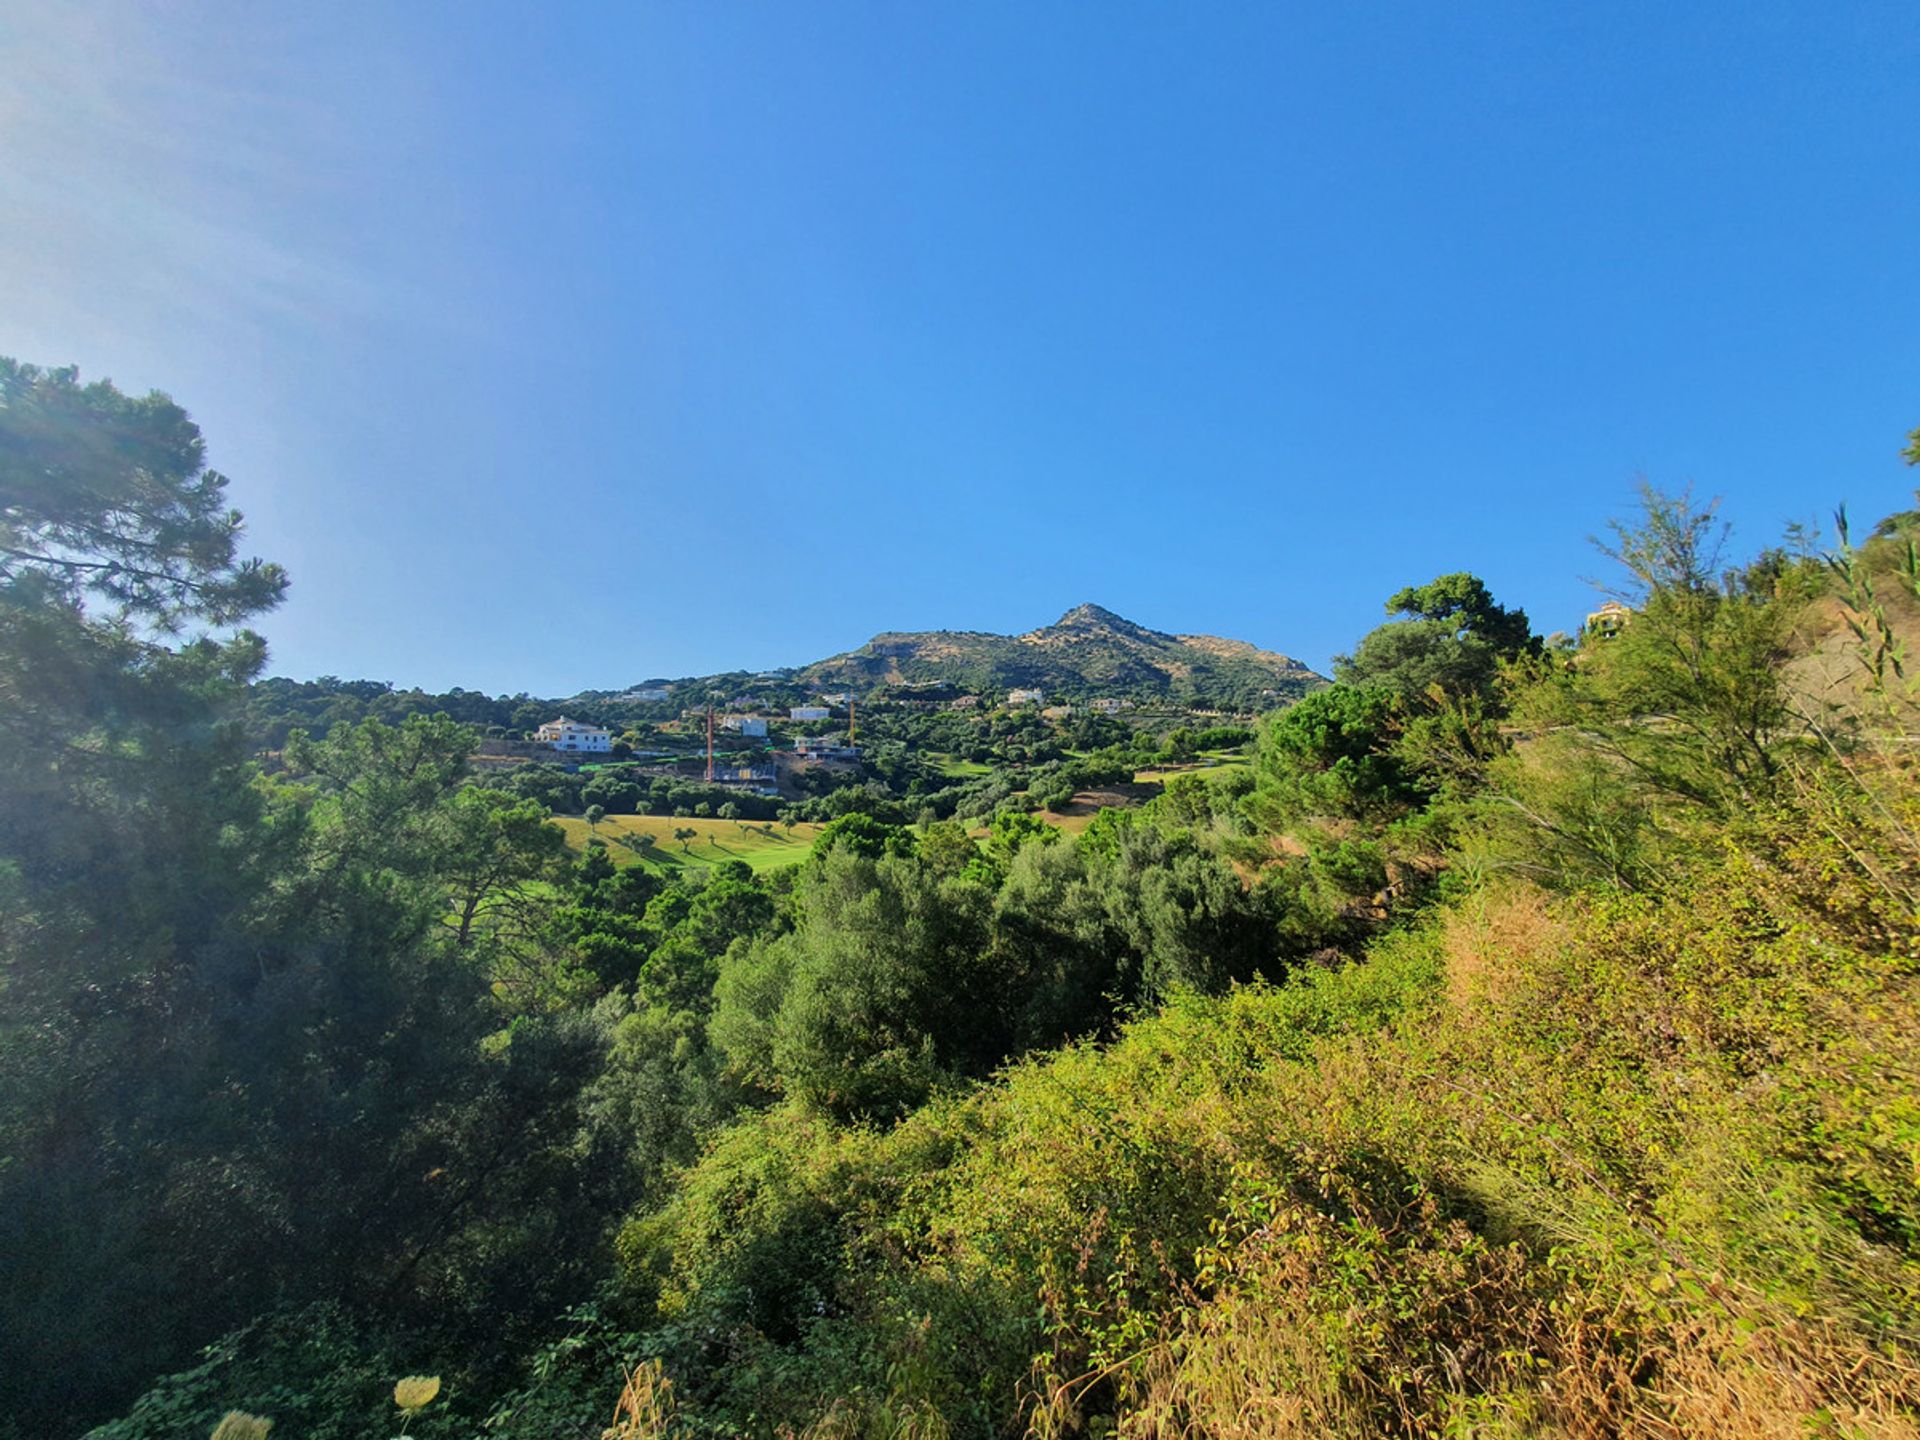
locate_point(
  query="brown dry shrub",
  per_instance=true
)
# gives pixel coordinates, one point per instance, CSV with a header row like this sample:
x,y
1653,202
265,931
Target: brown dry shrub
x,y
1491,943
1727,1378
1357,1305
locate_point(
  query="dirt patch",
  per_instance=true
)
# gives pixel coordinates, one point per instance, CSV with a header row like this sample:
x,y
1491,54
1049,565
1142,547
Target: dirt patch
x,y
1108,797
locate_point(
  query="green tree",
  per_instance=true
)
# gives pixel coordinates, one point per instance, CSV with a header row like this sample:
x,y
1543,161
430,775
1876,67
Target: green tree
x,y
1179,747
108,511
241,1019
885,991
131,853
1683,717
1013,830
949,850
858,833
1330,756
1451,636
499,852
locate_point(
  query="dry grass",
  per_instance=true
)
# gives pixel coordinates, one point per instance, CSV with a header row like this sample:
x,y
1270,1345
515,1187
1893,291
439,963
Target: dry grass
x,y
1492,942
1446,1336
647,1410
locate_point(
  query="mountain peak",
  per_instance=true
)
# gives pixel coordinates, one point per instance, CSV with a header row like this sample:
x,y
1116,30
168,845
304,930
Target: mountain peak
x,y
1089,651
1096,615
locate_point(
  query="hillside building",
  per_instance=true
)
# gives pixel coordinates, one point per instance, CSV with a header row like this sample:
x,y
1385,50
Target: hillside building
x,y
1606,622
1025,697
752,726
761,779
574,737
825,747
809,712
1108,705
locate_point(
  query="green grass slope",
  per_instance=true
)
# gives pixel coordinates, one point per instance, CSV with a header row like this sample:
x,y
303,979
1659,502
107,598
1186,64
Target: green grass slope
x,y
763,845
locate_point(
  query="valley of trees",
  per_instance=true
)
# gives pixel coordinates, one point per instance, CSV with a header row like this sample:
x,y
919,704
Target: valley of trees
x,y
1528,1046
1021,759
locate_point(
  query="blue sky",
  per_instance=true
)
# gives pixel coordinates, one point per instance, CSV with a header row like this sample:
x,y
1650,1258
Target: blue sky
x,y
558,347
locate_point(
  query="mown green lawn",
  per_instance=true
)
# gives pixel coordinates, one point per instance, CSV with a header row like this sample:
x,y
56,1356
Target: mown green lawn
x,y
956,769
762,844
1219,771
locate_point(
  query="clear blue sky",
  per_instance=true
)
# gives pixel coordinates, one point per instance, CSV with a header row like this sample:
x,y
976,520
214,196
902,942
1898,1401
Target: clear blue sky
x,y
553,347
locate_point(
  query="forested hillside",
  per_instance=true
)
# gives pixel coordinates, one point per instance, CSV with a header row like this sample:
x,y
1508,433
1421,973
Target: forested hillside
x,y
1531,1048
1088,653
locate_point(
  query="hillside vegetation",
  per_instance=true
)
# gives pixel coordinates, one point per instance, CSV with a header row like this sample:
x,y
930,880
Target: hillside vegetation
x,y
1526,1045
1088,653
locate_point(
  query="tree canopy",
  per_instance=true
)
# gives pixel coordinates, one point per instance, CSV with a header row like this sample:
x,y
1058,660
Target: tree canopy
x,y
1451,637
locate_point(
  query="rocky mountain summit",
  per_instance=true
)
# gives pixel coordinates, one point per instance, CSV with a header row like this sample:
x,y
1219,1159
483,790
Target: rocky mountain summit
x,y
1089,651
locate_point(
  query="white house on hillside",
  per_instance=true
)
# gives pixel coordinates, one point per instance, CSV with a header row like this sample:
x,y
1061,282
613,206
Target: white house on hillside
x,y
574,737
745,724
1025,697
809,712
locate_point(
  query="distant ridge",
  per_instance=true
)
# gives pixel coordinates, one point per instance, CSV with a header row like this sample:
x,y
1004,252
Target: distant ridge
x,y
1090,651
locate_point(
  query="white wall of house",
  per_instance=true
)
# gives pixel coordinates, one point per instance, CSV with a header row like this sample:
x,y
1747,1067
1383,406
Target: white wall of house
x,y
573,737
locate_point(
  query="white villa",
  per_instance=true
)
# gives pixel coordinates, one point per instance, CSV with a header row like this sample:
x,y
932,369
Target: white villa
x,y
809,712
1025,697
574,737
745,724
